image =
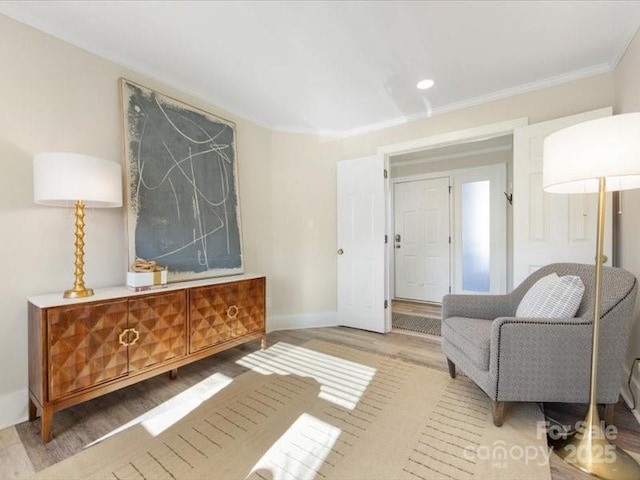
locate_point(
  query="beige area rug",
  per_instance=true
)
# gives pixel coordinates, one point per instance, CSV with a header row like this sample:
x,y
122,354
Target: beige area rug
x,y
328,412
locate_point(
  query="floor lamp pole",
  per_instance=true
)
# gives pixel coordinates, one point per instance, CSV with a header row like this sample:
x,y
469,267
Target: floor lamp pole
x,y
588,449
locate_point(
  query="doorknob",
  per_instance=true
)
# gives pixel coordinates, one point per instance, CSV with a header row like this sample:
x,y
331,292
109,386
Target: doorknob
x,y
398,237
398,246
340,251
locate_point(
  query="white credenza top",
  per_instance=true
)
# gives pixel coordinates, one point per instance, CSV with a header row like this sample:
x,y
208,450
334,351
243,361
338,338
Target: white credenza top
x,y
110,293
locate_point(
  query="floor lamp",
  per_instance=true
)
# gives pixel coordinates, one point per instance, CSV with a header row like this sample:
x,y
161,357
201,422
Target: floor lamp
x,y
600,156
63,179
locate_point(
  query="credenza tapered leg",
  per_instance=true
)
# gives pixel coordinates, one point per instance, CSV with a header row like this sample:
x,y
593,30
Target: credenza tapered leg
x,y
263,342
46,421
173,374
33,410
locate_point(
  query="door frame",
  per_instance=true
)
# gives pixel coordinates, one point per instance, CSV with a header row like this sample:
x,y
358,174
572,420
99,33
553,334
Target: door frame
x,y
439,140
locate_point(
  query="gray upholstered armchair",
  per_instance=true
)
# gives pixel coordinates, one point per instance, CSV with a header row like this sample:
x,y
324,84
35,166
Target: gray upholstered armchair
x,y
537,359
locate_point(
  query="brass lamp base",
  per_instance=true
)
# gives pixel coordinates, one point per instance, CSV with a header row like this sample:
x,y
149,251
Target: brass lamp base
x,y
79,290
591,452
621,467
77,293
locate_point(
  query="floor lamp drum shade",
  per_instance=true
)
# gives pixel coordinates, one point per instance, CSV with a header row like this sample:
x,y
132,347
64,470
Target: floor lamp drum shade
x,y
576,157
61,178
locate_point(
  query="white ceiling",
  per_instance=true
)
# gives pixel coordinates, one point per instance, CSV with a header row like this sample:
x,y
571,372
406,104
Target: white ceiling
x,y
345,67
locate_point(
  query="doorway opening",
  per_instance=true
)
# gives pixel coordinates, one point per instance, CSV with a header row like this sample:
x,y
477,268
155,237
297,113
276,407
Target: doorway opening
x,y
365,230
451,223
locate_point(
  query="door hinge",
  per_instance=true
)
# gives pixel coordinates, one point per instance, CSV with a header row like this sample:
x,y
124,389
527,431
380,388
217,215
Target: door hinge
x,y
386,174
450,187
386,239
449,239
449,288
386,304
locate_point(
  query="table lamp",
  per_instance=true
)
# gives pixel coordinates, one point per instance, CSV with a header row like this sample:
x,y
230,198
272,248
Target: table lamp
x,y
62,179
600,156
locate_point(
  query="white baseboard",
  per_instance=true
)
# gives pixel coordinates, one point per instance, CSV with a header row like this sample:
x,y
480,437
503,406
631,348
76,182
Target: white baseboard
x,y
13,408
302,320
635,385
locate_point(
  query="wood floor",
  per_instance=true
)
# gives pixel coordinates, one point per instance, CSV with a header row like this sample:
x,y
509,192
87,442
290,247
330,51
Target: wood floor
x,y
21,451
416,308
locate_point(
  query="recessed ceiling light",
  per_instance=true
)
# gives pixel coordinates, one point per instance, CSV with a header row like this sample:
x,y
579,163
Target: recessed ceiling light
x,y
424,84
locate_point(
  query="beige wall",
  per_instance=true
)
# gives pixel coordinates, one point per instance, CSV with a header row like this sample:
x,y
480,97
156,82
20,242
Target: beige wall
x,y
58,97
304,224
627,88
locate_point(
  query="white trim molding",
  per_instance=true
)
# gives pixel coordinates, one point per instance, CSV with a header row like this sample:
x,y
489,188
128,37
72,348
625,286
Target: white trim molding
x,y
13,408
302,320
453,156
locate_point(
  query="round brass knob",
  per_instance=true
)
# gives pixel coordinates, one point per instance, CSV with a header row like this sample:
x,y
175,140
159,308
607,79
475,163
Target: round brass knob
x,y
340,251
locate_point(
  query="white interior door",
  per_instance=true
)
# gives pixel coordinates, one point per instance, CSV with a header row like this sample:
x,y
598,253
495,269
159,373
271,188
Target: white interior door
x,y
550,227
361,246
421,239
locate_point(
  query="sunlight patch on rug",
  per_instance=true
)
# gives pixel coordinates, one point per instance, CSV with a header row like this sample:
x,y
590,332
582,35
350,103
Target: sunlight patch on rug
x,y
342,382
300,452
158,419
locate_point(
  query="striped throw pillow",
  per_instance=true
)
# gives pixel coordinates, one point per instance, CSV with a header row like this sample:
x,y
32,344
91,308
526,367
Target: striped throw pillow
x,y
552,297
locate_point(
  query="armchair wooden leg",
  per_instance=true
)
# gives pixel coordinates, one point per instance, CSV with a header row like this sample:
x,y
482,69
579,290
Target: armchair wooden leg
x,y
452,368
609,410
498,413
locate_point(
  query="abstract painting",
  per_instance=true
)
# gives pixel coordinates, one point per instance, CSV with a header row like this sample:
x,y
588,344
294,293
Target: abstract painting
x,y
183,206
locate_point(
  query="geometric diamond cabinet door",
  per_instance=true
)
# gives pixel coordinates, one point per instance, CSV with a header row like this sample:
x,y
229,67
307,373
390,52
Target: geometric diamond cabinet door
x,y
83,346
208,308
157,329
220,313
250,301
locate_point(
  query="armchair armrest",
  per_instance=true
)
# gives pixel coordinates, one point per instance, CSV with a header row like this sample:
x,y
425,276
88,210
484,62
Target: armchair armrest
x,y
488,307
541,359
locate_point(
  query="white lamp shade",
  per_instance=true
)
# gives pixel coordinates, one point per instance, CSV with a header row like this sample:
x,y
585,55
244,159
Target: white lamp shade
x,y
61,178
576,157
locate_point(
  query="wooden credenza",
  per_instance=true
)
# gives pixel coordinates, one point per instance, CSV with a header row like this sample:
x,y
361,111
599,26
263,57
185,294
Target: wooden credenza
x,y
80,349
